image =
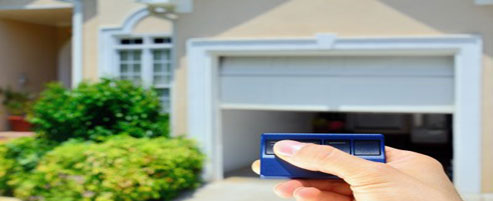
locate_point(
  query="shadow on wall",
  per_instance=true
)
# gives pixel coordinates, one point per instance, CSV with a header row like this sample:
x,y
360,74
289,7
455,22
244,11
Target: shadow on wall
x,y
90,9
451,18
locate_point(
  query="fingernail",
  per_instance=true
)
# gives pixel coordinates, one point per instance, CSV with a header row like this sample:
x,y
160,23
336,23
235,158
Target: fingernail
x,y
305,193
277,192
287,147
283,193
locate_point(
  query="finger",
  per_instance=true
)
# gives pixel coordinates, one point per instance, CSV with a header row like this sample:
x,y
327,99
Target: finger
x,y
314,194
324,159
287,188
393,154
414,164
256,166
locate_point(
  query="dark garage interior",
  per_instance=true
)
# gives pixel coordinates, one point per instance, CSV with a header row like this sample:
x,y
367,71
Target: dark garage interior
x,y
430,134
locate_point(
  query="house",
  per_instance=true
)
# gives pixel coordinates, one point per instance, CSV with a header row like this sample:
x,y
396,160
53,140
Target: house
x,y
228,70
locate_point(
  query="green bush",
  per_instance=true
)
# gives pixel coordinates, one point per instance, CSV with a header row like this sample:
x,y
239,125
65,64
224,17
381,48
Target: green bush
x,y
16,102
18,158
95,111
119,169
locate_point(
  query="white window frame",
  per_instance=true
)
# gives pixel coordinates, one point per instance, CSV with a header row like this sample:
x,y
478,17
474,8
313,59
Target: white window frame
x,y
108,57
204,106
146,59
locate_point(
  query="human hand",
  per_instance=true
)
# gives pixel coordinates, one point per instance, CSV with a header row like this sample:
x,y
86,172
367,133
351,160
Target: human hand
x,y
407,176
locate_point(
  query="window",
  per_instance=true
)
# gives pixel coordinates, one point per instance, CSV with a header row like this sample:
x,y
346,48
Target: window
x,y
147,61
162,74
130,65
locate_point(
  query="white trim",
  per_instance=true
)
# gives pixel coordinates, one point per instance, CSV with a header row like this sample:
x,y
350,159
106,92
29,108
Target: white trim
x,y
147,46
204,122
484,2
107,41
77,42
36,7
348,108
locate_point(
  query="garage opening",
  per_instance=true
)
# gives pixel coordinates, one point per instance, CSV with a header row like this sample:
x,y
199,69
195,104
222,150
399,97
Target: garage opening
x,y
409,75
409,99
426,133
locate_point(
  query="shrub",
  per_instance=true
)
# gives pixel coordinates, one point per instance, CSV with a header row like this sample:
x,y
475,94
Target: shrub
x,y
97,111
16,102
121,168
18,158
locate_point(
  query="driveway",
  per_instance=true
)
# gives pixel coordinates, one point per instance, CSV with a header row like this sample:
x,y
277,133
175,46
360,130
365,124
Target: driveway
x,y
235,189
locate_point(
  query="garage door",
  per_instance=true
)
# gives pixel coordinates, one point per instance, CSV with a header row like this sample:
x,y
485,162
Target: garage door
x,y
349,83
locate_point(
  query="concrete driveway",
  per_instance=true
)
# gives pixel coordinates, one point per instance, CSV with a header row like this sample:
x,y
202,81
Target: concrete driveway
x,y
250,188
235,189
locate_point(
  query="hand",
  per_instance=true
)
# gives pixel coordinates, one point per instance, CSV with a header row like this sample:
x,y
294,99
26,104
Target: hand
x,y
407,176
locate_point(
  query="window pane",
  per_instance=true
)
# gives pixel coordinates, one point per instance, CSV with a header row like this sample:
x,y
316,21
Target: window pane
x,y
130,68
157,54
166,54
136,55
162,67
138,41
162,79
161,55
125,41
136,68
123,55
168,68
162,40
159,79
164,97
123,68
136,79
158,68
131,41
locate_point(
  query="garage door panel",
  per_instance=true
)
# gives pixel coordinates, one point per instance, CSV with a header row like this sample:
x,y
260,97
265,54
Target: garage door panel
x,y
337,82
338,66
336,91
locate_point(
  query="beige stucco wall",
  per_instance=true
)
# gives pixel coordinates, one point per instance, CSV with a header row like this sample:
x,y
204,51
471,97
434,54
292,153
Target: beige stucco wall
x,y
301,18
99,14
148,26
26,49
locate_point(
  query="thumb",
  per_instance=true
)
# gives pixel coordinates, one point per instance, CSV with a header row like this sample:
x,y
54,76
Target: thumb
x,y
325,159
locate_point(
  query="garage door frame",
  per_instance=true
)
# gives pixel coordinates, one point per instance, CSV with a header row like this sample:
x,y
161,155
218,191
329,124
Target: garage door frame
x,y
204,120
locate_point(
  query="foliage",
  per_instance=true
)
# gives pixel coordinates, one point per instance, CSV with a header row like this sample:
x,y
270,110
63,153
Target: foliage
x,y
18,158
121,168
98,142
95,111
16,103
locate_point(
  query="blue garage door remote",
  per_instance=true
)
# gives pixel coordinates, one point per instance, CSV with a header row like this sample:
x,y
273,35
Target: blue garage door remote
x,y
368,146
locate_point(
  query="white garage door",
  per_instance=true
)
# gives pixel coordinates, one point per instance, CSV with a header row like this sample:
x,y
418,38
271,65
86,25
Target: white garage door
x,y
349,83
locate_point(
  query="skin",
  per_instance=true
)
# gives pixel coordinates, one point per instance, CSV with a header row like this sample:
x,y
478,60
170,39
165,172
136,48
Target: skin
x,y
406,176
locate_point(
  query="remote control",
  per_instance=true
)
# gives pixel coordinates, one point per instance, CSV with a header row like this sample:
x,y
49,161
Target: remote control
x,y
368,146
